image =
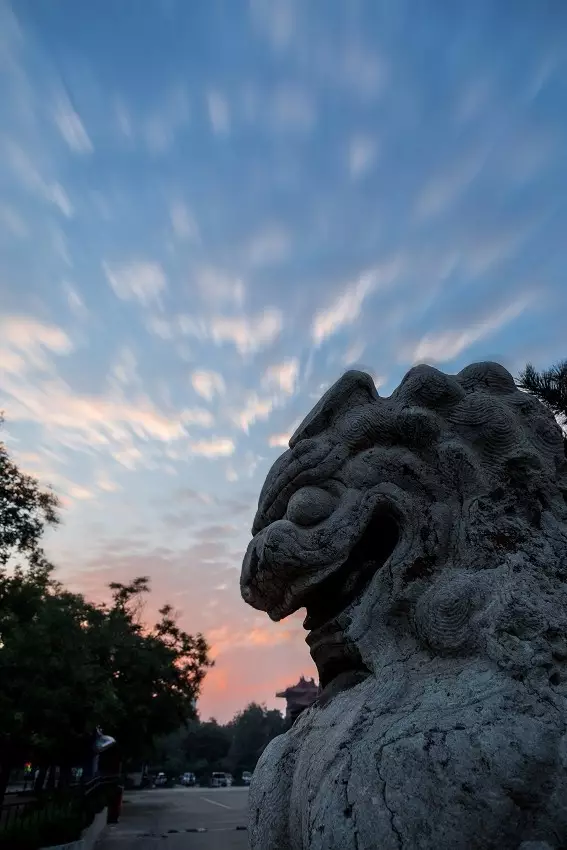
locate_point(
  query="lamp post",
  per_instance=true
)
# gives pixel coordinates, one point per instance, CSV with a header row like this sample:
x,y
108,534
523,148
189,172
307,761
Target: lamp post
x,y
100,743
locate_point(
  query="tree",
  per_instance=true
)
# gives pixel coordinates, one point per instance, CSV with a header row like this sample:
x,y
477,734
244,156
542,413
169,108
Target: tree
x,y
550,386
53,690
206,746
252,730
168,753
156,673
67,665
25,511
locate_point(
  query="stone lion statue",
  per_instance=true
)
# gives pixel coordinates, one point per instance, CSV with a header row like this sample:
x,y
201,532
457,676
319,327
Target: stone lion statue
x,y
425,534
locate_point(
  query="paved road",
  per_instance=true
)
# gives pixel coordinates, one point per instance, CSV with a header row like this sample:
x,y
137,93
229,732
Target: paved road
x,y
167,818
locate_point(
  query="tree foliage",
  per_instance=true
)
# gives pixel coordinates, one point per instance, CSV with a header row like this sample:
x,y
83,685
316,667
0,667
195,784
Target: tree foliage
x,y
156,673
251,731
25,510
550,386
68,665
206,746
203,747
53,688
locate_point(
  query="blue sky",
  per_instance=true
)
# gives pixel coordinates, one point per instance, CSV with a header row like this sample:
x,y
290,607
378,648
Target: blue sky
x,y
208,210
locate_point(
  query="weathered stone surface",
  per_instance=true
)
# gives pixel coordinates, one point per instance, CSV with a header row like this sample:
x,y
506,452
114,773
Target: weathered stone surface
x,y
426,534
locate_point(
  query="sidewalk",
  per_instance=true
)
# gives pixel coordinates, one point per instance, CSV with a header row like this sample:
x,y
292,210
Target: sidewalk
x,y
138,826
180,819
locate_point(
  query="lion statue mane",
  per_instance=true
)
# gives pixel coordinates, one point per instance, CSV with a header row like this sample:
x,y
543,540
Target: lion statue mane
x,y
425,534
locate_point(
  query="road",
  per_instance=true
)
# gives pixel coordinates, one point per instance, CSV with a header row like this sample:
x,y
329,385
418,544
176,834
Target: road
x,y
170,818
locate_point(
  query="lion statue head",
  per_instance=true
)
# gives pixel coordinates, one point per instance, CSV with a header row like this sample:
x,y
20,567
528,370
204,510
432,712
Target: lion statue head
x,y
431,523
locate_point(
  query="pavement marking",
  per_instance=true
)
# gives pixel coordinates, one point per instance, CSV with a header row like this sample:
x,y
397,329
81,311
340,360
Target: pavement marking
x,y
216,803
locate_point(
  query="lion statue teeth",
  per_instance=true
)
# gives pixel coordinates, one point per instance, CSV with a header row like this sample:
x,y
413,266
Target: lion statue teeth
x,y
425,534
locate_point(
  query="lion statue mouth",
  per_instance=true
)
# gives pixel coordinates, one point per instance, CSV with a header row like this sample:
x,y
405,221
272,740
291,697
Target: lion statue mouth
x,y
317,541
326,588
333,577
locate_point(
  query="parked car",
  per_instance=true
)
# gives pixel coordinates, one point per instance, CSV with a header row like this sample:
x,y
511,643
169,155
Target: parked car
x,y
221,780
160,780
246,777
187,779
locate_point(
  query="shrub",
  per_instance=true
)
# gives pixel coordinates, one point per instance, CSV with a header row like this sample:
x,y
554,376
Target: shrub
x,y
42,828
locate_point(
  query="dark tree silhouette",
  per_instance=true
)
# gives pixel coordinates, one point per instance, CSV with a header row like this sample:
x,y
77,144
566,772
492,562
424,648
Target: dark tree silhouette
x,y
550,386
68,665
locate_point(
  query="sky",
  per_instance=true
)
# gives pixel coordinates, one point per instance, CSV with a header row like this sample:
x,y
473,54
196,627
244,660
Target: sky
x,y
208,211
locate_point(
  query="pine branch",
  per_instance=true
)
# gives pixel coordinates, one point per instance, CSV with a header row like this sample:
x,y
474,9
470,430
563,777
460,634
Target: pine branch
x,y
550,386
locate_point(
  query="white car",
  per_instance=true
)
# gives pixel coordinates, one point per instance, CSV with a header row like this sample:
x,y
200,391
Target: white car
x,y
221,780
246,777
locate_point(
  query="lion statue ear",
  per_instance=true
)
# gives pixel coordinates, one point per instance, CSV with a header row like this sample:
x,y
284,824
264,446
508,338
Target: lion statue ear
x,y
353,389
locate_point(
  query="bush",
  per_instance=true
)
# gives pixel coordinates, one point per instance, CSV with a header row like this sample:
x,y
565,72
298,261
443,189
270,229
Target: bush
x,y
43,828
59,819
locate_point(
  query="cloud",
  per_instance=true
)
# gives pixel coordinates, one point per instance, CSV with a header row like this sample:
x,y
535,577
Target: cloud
x,y
105,483
473,99
12,221
345,309
219,114
183,222
113,423
349,67
447,345
163,124
361,71
214,447
51,191
25,341
292,108
159,134
217,286
255,408
283,376
197,416
271,245
123,119
61,246
275,19
71,127
138,280
74,300
231,474
76,491
188,494
353,353
124,371
486,253
97,421
440,192
248,334
208,384
279,440
41,465
214,532
361,155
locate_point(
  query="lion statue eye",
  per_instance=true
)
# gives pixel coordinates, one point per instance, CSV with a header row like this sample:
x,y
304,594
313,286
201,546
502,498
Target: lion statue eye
x,y
310,505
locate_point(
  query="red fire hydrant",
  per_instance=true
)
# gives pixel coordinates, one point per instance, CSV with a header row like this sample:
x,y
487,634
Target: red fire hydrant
x,y
115,804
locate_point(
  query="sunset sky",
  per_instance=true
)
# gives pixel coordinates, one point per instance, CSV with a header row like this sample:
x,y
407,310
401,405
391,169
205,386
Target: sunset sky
x,y
208,210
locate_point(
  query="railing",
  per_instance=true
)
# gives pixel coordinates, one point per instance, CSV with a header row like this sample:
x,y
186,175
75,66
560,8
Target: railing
x,y
80,801
14,811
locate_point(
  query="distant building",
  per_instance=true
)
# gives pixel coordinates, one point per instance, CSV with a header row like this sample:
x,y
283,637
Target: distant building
x,y
299,697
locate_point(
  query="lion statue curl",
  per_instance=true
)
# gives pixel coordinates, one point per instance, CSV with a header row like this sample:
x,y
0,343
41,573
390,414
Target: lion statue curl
x,y
425,534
